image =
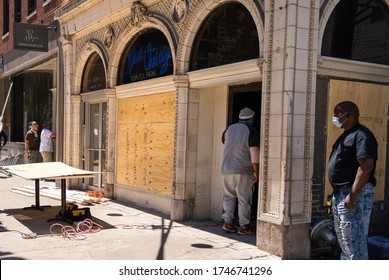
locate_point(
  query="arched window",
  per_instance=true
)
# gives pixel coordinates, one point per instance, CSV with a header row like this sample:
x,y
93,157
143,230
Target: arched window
x,y
228,35
147,58
94,74
358,30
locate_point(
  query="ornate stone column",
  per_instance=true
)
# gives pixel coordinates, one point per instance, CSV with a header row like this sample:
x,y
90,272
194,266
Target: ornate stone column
x,y
185,150
54,109
64,114
111,140
287,134
75,131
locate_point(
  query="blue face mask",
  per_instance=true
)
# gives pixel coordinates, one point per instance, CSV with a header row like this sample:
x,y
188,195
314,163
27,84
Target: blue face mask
x,y
249,121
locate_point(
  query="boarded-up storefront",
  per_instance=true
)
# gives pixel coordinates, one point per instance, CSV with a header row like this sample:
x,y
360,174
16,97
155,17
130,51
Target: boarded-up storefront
x,y
145,151
373,103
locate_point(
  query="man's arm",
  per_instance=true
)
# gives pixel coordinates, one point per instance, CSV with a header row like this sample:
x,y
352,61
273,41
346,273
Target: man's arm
x,y
254,154
26,145
366,165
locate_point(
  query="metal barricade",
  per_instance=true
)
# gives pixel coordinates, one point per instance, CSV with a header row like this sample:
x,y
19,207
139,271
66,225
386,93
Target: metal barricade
x,y
11,160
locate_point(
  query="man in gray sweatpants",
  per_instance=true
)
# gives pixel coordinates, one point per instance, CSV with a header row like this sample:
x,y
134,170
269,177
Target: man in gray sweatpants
x,y
240,165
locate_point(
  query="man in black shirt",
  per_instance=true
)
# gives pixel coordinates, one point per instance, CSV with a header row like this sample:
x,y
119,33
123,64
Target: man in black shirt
x,y
351,173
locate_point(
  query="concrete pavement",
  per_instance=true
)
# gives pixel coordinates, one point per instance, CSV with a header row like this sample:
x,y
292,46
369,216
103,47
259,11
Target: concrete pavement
x,y
129,233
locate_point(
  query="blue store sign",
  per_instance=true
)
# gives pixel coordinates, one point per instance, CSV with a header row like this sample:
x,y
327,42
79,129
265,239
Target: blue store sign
x,y
149,57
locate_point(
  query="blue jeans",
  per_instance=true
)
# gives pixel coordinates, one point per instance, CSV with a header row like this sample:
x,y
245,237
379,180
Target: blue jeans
x,y
352,226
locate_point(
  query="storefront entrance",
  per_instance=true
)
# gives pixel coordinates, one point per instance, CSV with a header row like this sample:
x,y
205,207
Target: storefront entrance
x,y
240,97
96,142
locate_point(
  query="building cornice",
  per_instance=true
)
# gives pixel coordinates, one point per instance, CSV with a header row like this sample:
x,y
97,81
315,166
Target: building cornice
x,y
75,8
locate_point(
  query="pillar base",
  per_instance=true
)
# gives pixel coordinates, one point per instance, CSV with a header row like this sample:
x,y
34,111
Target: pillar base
x,y
181,210
108,190
289,242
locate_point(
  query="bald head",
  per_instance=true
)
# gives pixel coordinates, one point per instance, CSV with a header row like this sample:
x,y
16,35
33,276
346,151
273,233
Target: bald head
x,y
348,114
348,107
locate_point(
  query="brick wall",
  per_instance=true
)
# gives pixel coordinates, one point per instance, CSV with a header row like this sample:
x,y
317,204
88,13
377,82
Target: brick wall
x,y
44,16
319,210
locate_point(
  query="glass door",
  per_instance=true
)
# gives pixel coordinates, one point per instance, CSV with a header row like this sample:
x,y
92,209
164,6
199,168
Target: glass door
x,y
97,141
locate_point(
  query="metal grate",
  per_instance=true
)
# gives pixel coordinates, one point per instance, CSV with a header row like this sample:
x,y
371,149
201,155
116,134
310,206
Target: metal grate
x,y
11,160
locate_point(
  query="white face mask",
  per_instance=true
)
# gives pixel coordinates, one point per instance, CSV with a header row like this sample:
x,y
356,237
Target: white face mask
x,y
335,121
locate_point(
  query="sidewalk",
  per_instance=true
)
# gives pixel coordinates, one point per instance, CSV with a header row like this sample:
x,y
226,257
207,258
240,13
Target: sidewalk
x,y
128,233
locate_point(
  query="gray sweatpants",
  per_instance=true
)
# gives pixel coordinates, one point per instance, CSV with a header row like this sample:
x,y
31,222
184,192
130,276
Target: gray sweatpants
x,y
237,186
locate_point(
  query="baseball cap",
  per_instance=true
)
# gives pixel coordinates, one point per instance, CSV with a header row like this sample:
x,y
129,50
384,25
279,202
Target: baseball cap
x,y
246,113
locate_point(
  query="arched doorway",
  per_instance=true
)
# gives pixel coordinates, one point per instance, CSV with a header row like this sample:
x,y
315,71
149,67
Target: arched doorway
x,y
94,120
219,49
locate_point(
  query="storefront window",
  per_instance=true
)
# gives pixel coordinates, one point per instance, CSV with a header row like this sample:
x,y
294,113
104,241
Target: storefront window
x,y
358,30
227,36
147,58
31,100
94,74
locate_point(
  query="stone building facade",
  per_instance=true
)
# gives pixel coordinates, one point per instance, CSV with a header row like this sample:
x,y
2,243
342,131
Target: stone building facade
x,y
149,86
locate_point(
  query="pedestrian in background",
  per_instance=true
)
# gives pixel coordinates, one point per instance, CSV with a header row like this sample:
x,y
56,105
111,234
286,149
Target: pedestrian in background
x,y
31,144
3,139
240,166
351,173
46,147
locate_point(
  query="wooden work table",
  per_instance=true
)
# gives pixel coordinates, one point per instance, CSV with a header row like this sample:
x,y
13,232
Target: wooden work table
x,y
49,171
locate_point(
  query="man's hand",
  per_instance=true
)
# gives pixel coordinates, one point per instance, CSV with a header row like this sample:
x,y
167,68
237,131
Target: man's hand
x,y
255,177
350,201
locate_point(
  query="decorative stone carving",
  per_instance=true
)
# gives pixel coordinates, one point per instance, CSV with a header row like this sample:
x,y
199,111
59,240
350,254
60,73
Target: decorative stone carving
x,y
139,14
108,37
88,45
179,10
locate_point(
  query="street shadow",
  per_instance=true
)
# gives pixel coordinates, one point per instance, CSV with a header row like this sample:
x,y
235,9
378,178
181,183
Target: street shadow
x,y
164,235
37,220
213,227
8,256
216,229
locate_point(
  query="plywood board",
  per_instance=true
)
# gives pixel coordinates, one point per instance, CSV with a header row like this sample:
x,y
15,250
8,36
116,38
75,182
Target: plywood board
x,y
373,103
73,196
146,127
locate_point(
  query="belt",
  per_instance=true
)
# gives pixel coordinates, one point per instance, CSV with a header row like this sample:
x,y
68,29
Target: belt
x,y
337,189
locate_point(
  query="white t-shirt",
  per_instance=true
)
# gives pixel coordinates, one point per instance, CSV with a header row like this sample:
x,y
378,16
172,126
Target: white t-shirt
x,y
46,142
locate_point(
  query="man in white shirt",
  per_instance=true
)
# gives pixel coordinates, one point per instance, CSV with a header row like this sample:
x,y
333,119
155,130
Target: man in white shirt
x,y
46,147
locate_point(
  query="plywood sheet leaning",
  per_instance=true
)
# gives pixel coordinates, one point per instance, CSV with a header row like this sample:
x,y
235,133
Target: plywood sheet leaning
x,y
373,103
145,156
72,196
